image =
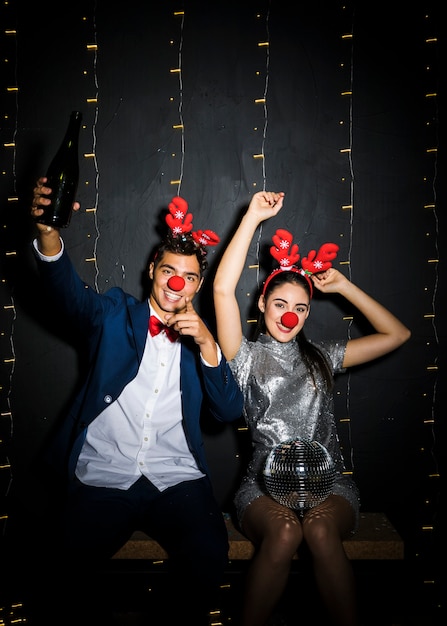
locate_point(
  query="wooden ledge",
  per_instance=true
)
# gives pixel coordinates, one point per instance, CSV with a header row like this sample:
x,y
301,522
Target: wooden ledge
x,y
376,539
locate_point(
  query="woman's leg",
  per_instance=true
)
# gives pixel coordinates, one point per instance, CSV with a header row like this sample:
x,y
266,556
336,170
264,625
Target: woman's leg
x,y
325,527
276,532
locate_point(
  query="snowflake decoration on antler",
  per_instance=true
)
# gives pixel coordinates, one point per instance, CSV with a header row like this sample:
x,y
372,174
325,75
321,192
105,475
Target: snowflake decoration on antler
x,y
180,223
287,255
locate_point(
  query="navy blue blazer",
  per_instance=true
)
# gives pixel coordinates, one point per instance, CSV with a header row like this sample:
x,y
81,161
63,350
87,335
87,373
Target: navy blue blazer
x,y
115,325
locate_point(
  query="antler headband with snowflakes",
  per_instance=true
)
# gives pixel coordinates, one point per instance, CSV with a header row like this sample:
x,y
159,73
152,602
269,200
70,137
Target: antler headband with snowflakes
x,y
180,222
287,256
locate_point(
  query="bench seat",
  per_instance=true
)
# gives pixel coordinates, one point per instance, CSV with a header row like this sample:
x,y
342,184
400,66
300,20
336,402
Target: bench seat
x,y
376,539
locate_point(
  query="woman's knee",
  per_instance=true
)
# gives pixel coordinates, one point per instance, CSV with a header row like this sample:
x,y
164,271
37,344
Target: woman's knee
x,y
322,537
282,541
317,531
274,529
325,526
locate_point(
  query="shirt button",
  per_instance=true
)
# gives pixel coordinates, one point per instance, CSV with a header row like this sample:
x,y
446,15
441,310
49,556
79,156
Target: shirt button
x,y
156,390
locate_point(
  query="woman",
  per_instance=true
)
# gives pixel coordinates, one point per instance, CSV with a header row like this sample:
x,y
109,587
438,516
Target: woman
x,y
287,383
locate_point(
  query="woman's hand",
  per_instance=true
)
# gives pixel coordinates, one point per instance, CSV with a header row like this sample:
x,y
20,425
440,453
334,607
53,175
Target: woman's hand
x,y
265,204
330,281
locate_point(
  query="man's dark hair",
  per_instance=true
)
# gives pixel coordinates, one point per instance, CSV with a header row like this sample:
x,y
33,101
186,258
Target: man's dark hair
x,y
181,244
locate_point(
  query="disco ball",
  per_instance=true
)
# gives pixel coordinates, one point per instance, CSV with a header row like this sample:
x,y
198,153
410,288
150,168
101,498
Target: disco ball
x,y
299,473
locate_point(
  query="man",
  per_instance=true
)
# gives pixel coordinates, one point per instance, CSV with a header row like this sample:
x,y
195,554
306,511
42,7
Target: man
x,y
131,444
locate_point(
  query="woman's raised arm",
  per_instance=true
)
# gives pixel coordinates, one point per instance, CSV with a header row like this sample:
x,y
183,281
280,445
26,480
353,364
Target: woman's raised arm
x,y
263,205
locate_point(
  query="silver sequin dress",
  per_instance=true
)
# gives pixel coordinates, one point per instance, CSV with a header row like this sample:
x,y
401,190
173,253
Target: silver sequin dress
x,y
282,403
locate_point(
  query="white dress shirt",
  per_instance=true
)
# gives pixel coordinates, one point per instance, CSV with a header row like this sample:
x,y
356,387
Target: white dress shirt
x,y
142,432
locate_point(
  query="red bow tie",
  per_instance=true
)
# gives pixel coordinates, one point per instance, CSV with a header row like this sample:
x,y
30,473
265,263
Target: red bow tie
x,y
156,326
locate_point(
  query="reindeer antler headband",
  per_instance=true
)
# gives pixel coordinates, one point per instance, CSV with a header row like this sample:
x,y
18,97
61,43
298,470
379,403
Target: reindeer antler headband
x,y
287,256
180,222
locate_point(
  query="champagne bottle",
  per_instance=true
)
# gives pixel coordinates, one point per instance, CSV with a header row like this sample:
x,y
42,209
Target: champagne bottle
x,y
63,177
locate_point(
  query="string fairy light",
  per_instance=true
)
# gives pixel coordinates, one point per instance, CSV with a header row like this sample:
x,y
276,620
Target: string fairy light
x,y
347,63
179,125
91,157
430,504
263,46
11,610
9,316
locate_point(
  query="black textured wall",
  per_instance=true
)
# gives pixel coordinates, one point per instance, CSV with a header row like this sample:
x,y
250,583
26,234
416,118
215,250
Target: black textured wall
x,y
339,106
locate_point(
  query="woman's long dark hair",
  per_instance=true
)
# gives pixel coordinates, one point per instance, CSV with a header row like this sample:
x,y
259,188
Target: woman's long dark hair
x,y
313,358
